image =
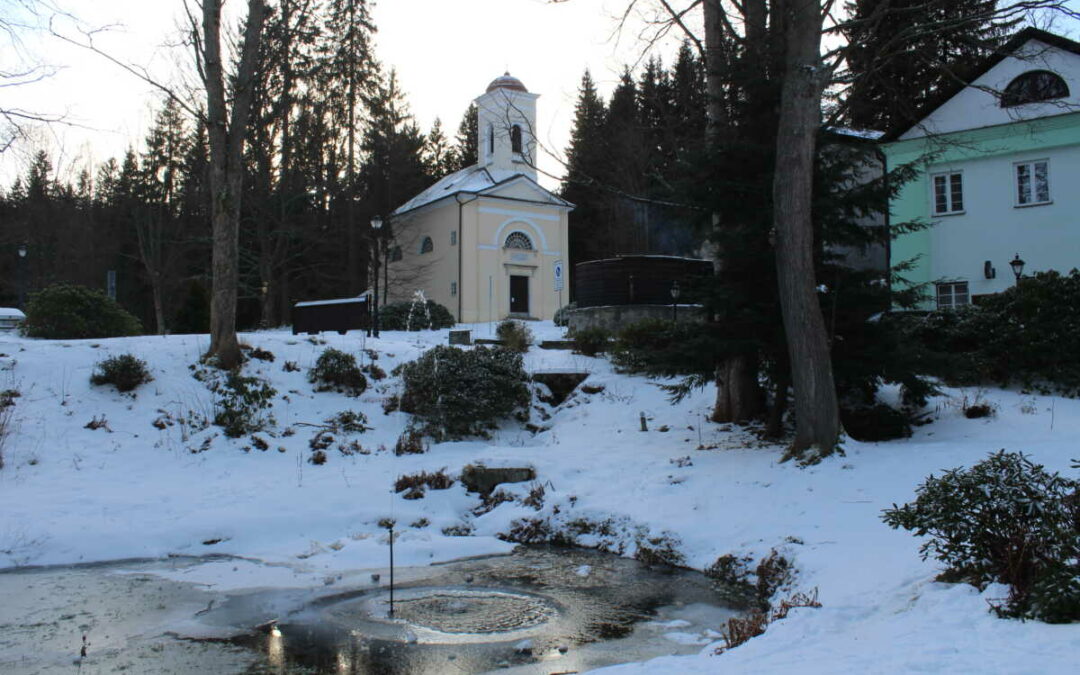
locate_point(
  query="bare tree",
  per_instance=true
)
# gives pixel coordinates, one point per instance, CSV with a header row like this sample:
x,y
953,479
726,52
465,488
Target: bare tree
x,y
21,68
226,129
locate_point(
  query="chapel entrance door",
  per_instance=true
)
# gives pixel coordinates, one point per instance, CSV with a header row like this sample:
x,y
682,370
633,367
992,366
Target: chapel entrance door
x,y
519,295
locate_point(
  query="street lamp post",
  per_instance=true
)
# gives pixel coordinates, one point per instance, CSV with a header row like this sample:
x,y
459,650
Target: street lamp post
x,y
1017,266
376,225
675,302
22,276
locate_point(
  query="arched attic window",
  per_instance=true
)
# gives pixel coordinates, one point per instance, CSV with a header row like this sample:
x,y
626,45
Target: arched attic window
x,y
518,240
427,245
515,138
1032,87
395,254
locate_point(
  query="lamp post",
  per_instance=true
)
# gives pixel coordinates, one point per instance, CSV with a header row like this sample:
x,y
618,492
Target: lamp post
x,y
1017,266
376,225
22,275
675,302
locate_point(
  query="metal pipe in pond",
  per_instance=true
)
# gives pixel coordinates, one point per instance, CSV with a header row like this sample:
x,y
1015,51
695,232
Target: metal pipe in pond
x,y
391,571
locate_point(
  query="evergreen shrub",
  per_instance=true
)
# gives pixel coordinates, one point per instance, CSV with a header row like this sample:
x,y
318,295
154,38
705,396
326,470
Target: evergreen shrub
x,y
1028,335
395,316
591,341
1004,520
460,393
660,347
68,311
877,422
242,401
336,370
514,335
125,372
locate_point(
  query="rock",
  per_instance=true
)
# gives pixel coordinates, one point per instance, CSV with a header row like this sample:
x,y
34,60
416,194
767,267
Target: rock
x,y
461,337
483,479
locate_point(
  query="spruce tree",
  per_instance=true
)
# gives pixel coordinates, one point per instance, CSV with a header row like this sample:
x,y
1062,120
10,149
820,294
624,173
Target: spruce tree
x,y
586,169
903,53
464,152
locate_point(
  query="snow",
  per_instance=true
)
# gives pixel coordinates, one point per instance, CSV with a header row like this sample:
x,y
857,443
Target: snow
x,y
335,301
71,494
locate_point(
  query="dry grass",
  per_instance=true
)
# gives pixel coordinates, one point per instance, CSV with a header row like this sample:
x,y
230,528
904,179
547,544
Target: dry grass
x,y
742,628
436,480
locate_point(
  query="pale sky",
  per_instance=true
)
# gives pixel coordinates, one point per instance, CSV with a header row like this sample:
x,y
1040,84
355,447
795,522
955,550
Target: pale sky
x,y
445,53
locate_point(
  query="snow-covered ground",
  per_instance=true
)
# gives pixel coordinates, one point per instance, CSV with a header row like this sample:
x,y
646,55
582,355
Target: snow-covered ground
x,y
130,489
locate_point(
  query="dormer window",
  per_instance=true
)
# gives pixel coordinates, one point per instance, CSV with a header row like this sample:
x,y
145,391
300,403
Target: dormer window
x,y
518,240
515,139
1032,87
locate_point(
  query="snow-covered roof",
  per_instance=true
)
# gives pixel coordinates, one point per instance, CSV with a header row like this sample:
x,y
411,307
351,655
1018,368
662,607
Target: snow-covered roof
x,y
11,313
868,134
475,179
335,301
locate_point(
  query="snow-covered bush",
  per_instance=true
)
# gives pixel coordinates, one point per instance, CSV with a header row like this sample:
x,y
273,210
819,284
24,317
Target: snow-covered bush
x,y
514,335
68,311
591,341
416,483
336,370
410,442
242,401
1004,520
396,316
562,314
125,372
461,393
348,422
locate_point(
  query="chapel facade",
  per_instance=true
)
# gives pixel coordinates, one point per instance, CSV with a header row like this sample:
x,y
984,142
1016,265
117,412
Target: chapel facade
x,y
487,242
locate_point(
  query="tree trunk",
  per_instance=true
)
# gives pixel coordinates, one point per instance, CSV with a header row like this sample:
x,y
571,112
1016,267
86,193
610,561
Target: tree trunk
x,y
714,80
159,305
226,140
774,425
738,396
816,411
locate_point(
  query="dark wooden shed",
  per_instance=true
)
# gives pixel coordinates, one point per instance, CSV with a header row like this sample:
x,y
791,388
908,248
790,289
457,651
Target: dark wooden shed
x,y
341,314
639,280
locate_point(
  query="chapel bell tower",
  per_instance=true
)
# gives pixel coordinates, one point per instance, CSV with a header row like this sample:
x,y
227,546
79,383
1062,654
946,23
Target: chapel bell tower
x,y
506,123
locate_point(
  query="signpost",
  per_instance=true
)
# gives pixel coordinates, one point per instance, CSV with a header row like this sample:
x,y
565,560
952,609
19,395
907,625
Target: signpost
x,y
559,279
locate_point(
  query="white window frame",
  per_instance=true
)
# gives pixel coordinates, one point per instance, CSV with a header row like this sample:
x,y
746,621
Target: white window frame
x,y
950,201
1032,190
453,289
518,236
953,296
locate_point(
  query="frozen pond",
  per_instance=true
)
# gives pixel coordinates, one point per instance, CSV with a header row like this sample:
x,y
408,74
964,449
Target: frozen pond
x,y
539,610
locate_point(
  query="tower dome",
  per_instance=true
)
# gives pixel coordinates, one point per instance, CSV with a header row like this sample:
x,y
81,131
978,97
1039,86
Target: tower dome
x,y
506,81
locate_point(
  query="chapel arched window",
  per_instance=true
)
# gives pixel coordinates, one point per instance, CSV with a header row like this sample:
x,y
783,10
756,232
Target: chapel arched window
x,y
427,245
515,138
518,240
1032,87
